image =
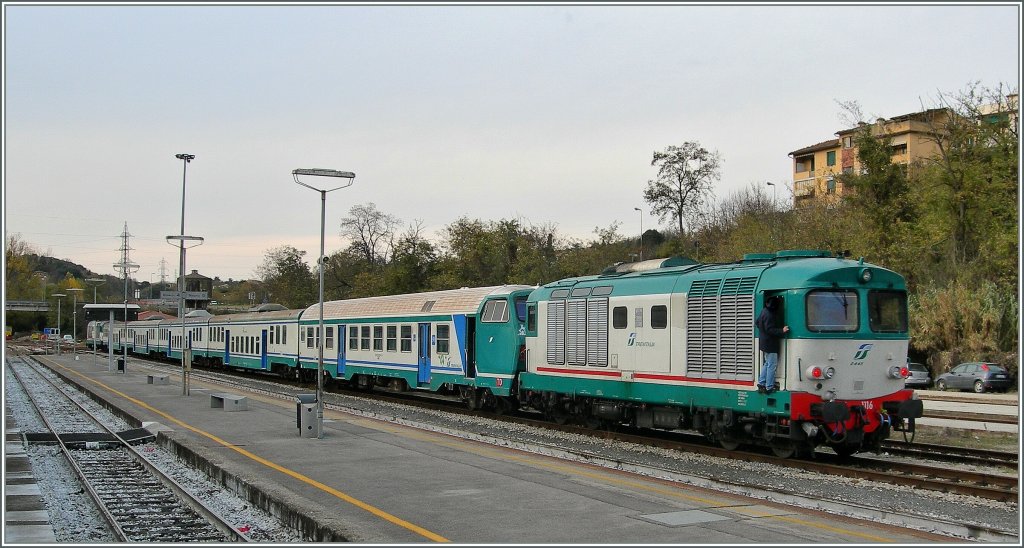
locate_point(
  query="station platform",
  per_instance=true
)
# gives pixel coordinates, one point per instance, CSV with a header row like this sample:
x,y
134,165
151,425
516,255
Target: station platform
x,y
26,520
369,481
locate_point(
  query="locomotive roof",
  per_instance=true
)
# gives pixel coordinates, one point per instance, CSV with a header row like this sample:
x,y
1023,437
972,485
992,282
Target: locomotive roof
x,y
453,301
782,270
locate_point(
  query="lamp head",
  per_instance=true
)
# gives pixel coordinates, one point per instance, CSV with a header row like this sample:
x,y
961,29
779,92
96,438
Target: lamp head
x,y
187,157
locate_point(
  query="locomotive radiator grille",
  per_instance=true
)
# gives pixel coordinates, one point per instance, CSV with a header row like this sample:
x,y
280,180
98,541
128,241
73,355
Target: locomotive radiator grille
x,y
720,329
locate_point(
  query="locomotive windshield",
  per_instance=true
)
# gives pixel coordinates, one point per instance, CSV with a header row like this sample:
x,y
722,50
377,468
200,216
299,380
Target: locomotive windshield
x,y
833,311
887,311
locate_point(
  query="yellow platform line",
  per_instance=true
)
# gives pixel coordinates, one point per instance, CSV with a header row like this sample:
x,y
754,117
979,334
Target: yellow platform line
x,y
270,464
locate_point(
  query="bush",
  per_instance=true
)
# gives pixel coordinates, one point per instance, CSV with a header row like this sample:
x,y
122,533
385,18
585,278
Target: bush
x,y
958,323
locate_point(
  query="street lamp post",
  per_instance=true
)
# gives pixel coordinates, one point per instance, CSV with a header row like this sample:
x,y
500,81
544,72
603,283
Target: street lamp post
x,y
641,232
74,319
771,184
60,296
320,266
185,158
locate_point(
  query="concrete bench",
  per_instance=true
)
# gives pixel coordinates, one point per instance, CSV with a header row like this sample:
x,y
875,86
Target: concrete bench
x,y
229,402
156,379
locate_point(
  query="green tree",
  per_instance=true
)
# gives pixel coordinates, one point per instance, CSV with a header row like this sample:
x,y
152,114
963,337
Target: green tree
x,y
685,182
287,279
972,183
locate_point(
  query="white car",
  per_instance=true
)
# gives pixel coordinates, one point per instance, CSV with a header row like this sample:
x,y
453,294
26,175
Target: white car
x,y
69,339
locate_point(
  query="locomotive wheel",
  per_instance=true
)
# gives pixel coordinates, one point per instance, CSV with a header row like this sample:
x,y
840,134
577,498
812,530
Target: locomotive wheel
x,y
783,448
727,443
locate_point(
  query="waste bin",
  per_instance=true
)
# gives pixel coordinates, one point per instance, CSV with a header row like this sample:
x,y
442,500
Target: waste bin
x,y
303,415
120,364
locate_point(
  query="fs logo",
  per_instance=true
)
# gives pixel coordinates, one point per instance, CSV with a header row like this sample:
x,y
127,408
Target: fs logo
x,y
862,354
632,339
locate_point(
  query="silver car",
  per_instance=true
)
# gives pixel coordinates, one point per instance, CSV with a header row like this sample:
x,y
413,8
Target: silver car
x,y
920,376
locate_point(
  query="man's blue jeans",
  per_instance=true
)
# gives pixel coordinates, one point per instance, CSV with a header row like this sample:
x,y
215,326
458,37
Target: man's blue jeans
x,y
767,376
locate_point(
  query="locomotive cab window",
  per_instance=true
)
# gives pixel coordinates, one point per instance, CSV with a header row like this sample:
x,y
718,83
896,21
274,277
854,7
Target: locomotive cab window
x,y
659,316
833,311
887,311
531,318
620,315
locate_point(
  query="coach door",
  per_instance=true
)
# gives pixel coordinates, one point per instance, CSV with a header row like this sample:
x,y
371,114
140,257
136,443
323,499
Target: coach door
x,y
263,349
227,346
342,333
424,357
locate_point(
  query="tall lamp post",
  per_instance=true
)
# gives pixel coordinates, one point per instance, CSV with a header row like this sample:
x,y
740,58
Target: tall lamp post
x,y
641,232
185,159
771,184
320,266
74,319
60,297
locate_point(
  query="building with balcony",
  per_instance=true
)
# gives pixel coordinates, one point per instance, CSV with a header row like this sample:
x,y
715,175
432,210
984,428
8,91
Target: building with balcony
x,y
913,139
815,168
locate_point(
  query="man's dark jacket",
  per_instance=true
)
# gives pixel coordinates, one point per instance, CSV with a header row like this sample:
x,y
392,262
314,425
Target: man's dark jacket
x,y
769,333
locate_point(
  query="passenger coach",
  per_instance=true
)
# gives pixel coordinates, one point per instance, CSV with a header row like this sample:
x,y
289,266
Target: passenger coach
x,y
469,340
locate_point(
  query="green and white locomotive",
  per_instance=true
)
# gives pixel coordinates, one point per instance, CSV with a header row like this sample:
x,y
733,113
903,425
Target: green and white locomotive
x,y
671,344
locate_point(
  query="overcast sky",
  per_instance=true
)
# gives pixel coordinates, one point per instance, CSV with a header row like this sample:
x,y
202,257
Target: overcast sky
x,y
544,113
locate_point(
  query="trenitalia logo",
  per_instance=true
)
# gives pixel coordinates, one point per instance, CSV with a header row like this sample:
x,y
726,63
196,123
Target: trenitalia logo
x,y
633,342
862,352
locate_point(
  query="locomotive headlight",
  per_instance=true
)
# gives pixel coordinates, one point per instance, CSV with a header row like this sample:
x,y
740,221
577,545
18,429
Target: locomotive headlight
x,y
830,372
896,372
815,372
865,275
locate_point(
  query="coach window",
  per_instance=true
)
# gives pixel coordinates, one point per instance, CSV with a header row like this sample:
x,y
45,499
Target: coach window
x,y
392,338
833,311
406,338
378,338
310,343
273,335
443,336
659,316
329,337
364,340
620,315
353,338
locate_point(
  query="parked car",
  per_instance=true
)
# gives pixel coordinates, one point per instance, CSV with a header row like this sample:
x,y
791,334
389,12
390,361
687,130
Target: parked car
x,y
68,339
977,376
920,376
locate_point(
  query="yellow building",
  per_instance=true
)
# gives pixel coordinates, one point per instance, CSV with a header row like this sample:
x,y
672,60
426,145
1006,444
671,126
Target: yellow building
x,y
815,167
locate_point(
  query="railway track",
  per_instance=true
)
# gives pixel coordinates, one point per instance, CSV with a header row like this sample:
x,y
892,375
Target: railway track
x,y
139,502
924,474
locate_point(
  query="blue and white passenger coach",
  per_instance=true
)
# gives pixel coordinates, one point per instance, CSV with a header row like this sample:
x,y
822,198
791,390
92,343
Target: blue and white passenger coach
x,y
470,340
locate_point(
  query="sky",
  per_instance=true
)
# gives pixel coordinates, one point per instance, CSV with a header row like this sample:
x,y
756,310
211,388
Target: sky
x,y
543,113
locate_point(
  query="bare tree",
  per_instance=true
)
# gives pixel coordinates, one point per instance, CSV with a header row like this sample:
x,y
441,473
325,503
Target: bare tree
x,y
372,232
686,175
